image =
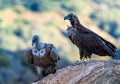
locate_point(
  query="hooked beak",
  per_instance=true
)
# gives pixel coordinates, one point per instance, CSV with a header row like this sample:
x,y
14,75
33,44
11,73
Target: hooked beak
x,y
66,18
33,42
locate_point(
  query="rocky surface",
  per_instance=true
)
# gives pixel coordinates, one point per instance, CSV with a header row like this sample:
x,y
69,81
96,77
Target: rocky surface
x,y
92,72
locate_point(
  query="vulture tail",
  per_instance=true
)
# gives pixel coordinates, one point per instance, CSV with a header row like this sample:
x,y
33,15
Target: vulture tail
x,y
110,50
110,45
111,53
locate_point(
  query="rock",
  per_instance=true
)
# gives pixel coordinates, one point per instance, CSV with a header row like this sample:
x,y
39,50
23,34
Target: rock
x,y
91,72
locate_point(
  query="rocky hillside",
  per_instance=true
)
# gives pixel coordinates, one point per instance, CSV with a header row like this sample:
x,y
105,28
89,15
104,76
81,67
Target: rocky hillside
x,y
92,72
21,19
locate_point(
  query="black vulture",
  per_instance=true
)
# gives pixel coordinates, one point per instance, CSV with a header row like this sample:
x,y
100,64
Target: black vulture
x,y
87,41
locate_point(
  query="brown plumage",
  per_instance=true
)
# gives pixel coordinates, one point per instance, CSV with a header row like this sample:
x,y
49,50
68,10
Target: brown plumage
x,y
87,41
49,59
46,60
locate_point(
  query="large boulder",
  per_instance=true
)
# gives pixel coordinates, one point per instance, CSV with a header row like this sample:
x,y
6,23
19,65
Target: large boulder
x,y
91,72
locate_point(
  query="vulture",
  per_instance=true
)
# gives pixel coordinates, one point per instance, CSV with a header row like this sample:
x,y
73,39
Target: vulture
x,y
87,41
43,55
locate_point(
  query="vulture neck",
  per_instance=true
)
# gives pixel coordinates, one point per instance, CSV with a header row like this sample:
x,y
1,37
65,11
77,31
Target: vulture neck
x,y
76,24
37,45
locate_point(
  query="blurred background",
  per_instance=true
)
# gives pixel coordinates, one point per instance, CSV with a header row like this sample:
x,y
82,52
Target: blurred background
x,y
21,19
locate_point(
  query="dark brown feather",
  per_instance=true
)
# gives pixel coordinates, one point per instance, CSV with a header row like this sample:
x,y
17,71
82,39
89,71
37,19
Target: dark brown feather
x,y
87,41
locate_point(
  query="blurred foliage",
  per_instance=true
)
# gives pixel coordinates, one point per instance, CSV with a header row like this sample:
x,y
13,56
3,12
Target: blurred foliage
x,y
45,5
106,16
103,12
4,61
23,60
20,19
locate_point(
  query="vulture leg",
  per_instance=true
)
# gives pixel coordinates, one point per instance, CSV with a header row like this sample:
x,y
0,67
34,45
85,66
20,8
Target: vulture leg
x,y
48,69
45,71
81,54
51,69
40,76
81,57
87,55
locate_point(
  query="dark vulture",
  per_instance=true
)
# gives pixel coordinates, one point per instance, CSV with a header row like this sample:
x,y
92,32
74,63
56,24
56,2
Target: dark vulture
x,y
87,41
44,56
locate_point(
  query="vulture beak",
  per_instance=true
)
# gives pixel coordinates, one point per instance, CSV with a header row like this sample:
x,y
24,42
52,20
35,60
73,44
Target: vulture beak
x,y
32,42
66,18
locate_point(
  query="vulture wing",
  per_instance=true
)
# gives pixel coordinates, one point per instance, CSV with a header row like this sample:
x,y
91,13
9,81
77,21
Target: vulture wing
x,y
54,54
90,42
110,45
96,44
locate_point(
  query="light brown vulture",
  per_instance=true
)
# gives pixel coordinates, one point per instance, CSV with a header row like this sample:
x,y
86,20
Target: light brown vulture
x,y
44,56
87,41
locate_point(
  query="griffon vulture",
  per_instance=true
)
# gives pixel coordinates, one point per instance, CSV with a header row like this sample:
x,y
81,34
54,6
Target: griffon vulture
x,y
87,41
44,56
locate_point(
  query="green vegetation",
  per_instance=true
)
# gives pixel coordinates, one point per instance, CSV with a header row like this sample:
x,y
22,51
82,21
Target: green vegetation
x,y
107,16
4,61
20,20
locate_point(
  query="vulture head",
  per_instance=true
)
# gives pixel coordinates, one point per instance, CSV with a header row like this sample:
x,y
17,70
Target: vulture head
x,y
69,17
36,43
72,18
35,39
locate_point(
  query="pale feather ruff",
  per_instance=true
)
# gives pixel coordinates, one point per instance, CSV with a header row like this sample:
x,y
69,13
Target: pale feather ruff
x,y
37,52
